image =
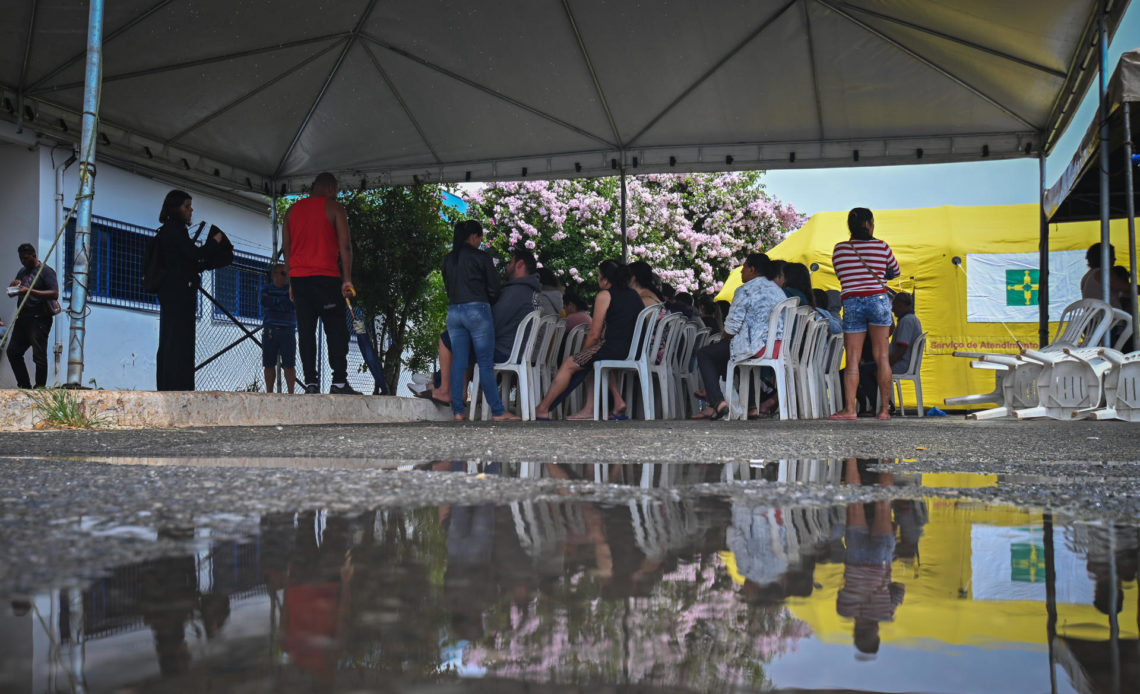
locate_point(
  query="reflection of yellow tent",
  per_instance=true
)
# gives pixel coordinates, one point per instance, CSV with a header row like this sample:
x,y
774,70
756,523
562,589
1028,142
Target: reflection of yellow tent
x,y
940,606
924,241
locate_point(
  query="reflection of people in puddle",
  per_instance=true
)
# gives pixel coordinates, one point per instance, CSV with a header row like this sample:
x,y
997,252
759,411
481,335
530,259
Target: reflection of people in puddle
x,y
868,595
1126,544
168,596
759,541
317,596
468,581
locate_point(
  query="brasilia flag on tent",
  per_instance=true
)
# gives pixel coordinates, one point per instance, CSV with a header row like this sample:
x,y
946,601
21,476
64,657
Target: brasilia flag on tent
x,y
1007,286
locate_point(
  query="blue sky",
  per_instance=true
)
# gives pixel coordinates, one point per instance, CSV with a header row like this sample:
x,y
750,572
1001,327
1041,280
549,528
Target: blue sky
x,y
984,183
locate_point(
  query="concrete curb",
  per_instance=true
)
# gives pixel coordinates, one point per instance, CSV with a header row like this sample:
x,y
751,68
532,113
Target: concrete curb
x,y
129,408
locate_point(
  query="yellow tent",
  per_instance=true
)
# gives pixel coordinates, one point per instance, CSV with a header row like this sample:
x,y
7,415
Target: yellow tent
x,y
924,241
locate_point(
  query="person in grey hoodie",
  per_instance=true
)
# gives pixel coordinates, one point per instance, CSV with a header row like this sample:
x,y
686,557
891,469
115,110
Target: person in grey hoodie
x,y
518,297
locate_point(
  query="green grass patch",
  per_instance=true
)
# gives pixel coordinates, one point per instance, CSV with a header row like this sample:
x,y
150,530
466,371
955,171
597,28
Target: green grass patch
x,y
57,408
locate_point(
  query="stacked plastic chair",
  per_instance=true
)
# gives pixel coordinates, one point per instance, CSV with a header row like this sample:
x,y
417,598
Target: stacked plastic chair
x,y
1121,387
1083,323
1070,383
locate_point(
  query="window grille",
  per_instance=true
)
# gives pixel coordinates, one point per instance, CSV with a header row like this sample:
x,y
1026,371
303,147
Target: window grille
x,y
115,262
238,287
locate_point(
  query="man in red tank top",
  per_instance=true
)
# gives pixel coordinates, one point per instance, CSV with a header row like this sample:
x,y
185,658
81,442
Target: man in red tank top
x,y
314,238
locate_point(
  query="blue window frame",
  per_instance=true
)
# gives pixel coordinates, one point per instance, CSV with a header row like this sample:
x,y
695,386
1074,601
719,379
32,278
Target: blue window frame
x,y
115,260
238,287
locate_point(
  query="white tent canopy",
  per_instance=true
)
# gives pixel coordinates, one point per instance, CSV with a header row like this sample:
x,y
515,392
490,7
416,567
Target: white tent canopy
x,y
260,94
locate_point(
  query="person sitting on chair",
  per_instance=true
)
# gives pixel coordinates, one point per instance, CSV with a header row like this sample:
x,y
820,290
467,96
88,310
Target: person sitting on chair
x,y
745,331
906,332
521,295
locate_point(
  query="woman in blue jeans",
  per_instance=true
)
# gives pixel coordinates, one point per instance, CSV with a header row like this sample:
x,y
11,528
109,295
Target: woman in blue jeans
x,y
472,285
863,265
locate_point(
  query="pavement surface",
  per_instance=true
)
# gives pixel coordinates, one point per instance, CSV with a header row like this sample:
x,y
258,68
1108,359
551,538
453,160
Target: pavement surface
x,y
76,503
938,439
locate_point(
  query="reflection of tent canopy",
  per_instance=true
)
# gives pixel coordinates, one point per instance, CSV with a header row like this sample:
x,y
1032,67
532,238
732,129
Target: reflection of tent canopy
x,y
924,241
220,92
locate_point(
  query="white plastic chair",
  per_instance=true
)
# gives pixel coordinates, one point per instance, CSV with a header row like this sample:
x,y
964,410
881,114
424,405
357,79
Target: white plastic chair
x,y
571,346
1070,385
1121,387
833,374
1123,320
1083,323
781,323
684,371
636,361
806,368
520,365
545,365
663,363
913,374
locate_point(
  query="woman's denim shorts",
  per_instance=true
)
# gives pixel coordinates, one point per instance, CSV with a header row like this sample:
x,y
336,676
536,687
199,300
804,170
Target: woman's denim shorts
x,y
861,311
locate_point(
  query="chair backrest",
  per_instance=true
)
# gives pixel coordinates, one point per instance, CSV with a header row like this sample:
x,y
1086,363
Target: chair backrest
x,y
1082,323
550,328
834,353
684,353
820,343
574,340
916,352
1123,319
526,339
665,335
780,323
801,335
643,328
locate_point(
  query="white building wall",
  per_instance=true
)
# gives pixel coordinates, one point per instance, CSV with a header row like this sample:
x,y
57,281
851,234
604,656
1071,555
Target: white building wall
x,y
120,344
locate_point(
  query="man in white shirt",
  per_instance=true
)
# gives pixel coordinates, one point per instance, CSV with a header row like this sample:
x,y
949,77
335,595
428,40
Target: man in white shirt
x,y
745,330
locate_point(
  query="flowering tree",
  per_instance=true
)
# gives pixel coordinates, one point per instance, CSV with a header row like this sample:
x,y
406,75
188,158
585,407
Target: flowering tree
x,y
692,228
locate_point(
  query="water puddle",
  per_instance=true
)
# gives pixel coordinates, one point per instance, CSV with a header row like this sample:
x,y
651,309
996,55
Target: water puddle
x,y
700,593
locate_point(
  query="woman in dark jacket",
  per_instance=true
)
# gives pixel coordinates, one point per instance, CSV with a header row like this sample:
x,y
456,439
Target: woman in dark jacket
x,y
472,285
615,314
182,264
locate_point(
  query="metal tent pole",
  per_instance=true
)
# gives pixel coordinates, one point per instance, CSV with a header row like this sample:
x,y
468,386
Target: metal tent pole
x,y
624,238
1102,114
273,224
1131,207
1042,261
278,372
91,89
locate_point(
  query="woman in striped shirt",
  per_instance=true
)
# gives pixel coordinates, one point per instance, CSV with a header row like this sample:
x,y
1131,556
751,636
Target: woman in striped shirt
x,y
863,265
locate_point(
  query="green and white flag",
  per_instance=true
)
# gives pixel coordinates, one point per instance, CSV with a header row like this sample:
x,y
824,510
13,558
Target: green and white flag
x,y
1006,286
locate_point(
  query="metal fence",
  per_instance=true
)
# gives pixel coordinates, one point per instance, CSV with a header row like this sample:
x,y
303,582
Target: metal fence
x,y
228,359
234,360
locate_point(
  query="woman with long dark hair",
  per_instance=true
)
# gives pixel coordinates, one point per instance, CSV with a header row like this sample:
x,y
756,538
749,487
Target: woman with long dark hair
x,y
863,265
182,264
797,283
615,313
643,281
472,285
